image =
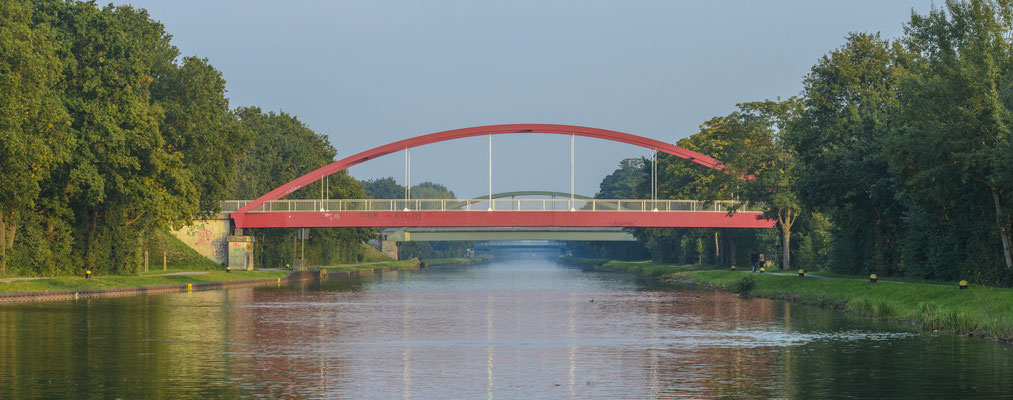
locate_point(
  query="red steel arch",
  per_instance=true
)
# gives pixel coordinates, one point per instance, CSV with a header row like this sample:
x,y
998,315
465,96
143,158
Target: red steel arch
x,y
367,155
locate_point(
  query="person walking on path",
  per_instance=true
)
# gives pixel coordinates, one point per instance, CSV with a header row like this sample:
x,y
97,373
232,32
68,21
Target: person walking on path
x,y
763,261
753,259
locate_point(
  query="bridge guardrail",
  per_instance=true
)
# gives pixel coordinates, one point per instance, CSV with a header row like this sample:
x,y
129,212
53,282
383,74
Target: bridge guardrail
x,y
487,205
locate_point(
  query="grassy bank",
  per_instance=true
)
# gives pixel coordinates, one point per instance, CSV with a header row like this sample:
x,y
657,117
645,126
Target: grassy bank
x,y
432,262
978,311
183,266
128,281
371,265
158,278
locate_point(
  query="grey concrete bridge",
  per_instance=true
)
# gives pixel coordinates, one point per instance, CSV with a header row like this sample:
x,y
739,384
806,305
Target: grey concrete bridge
x,y
604,234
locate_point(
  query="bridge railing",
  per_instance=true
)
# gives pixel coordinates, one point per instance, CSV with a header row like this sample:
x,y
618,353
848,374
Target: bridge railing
x,y
556,204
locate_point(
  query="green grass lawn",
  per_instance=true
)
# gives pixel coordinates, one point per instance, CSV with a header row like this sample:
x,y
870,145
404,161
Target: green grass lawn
x,y
371,254
128,281
432,262
372,265
182,259
979,310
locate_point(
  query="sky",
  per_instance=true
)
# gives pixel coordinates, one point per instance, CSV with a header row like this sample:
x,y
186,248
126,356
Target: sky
x,y
370,72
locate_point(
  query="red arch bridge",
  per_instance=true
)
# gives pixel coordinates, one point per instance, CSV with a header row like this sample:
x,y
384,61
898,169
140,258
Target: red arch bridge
x,y
271,211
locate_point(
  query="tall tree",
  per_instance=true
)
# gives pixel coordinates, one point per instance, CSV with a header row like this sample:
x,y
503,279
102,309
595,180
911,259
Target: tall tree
x,y
760,166
33,122
384,188
622,183
955,143
282,148
199,127
850,102
431,190
122,178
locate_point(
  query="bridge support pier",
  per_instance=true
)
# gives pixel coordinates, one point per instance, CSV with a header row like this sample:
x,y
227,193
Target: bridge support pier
x,y
389,248
240,252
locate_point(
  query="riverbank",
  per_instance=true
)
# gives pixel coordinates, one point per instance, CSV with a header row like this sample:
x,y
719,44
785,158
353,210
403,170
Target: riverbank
x,y
432,262
64,288
937,306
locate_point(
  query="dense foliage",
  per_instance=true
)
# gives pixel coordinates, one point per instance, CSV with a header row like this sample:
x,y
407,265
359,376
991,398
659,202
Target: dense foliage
x,y
906,146
896,158
106,135
281,149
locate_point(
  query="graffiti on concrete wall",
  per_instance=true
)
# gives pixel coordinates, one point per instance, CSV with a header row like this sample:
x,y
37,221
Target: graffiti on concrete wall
x,y
207,237
200,234
239,253
221,247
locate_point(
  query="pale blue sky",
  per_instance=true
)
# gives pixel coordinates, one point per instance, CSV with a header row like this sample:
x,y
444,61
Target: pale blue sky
x,y
367,73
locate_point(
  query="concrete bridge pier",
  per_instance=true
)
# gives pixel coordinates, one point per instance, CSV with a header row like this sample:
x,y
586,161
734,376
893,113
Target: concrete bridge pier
x,y
240,251
389,248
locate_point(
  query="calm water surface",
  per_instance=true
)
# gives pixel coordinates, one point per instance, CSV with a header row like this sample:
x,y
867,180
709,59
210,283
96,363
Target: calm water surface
x,y
526,328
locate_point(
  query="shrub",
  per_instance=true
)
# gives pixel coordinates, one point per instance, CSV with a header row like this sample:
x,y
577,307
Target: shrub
x,y
744,286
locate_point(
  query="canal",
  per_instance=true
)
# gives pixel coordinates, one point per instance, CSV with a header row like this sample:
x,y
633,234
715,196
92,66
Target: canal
x,y
523,328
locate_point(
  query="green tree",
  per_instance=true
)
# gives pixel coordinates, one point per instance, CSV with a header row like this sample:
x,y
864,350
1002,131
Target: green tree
x,y
199,126
760,166
384,188
282,148
121,179
954,147
33,123
622,183
850,103
388,188
771,169
430,190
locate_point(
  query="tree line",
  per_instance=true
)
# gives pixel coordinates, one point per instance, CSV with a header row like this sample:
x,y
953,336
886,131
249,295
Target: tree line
x,y
107,135
895,159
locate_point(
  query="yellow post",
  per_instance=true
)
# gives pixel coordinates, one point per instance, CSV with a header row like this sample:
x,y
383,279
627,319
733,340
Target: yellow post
x,y
145,260
165,255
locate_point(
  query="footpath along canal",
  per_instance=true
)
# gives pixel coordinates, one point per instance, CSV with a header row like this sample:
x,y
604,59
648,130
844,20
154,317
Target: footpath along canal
x,y
521,328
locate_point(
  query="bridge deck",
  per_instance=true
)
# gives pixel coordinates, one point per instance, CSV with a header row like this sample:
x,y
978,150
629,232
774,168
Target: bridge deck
x,y
553,204
685,219
497,213
597,234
